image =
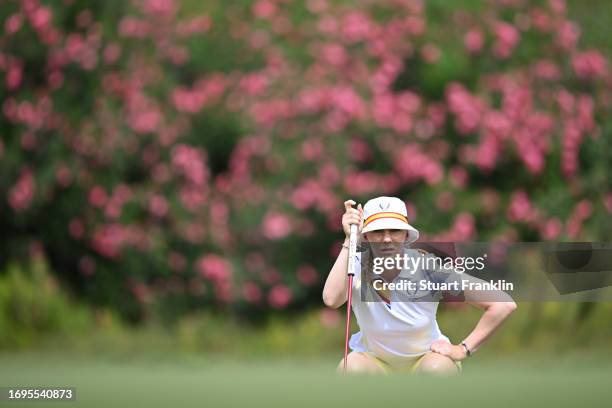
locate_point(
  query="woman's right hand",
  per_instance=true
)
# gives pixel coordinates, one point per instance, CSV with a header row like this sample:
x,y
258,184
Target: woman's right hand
x,y
352,216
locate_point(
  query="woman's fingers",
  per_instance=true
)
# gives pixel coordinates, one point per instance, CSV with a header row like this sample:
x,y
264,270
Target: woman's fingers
x,y
440,347
351,219
352,215
348,204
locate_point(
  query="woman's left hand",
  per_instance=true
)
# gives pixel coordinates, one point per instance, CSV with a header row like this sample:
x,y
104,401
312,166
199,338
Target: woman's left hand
x,y
455,352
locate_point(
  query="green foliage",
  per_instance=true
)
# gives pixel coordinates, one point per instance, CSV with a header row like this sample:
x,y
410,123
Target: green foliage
x,y
32,307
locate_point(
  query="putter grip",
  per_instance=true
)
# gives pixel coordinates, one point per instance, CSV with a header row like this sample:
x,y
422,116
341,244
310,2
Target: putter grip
x,y
352,250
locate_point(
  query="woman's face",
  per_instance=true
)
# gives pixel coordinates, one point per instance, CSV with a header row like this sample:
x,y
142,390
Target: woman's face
x,y
387,242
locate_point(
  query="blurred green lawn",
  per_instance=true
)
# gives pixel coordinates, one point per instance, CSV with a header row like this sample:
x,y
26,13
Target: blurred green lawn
x,y
521,380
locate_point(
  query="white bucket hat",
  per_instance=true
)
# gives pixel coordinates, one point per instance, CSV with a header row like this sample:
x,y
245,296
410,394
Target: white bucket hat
x,y
387,213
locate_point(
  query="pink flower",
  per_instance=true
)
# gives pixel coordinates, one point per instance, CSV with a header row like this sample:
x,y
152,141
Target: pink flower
x,y
413,165
361,183
276,225
520,209
193,197
14,74
189,162
264,9
464,226
144,121
280,296
307,194
572,138
547,70
214,268
97,196
162,8
22,193
194,25
133,27
141,292
458,176
567,35
109,240
112,52
270,275
307,275
316,6
348,101
193,233
334,54
473,41
268,112
383,107
558,6
251,292
507,37
28,141
356,26
63,176
41,18
583,210
416,24
589,64
254,84
541,20
13,23
585,112
607,201
467,108
158,205
552,229
574,228
430,53
186,100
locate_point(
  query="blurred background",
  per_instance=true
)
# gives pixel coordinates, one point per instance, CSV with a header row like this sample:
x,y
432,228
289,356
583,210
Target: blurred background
x,y
172,173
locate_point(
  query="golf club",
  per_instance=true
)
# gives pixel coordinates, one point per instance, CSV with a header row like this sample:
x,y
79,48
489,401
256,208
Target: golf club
x,y
350,272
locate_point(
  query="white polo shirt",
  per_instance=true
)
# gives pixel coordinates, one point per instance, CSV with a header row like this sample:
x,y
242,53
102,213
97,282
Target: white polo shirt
x,y
399,329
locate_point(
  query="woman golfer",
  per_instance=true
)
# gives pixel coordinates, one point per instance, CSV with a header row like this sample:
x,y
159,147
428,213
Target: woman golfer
x,y
398,334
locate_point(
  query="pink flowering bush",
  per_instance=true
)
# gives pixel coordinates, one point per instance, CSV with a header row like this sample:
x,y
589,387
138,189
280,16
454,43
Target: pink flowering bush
x,y
161,155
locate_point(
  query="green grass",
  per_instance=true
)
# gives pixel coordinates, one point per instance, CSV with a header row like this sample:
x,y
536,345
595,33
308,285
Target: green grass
x,y
190,380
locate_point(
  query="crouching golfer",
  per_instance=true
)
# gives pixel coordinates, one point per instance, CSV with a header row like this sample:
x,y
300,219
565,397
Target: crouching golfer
x,y
400,335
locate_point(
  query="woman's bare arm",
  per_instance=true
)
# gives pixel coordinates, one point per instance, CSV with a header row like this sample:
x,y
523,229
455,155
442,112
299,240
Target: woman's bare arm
x,y
335,290
494,315
495,312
